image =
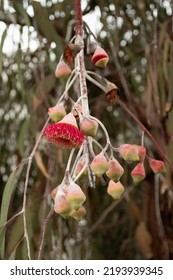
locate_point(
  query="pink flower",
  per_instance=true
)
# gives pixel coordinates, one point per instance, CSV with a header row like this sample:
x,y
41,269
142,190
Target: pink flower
x,y
64,133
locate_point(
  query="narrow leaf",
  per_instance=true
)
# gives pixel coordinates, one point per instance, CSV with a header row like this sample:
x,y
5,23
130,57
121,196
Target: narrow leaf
x,y
4,34
8,190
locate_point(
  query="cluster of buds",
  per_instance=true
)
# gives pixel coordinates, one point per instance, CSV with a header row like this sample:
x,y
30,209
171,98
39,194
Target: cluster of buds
x,y
68,199
78,129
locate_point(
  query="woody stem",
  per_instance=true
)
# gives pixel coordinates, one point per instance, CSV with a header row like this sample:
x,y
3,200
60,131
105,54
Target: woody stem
x,y
80,56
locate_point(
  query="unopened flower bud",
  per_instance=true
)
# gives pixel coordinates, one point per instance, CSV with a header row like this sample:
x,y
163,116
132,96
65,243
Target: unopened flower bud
x,y
129,152
69,119
141,152
57,112
99,165
115,170
115,189
138,173
78,214
75,196
100,58
54,192
61,206
157,166
88,127
62,70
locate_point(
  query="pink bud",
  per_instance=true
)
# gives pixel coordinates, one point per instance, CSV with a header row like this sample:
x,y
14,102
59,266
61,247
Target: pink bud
x,y
141,152
75,196
157,166
61,206
115,189
54,192
100,58
129,152
138,173
99,165
115,170
69,119
88,127
57,112
62,70
78,214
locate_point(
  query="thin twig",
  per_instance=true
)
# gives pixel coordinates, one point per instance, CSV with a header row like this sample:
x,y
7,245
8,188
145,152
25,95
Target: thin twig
x,y
67,88
107,211
95,82
43,230
26,187
11,219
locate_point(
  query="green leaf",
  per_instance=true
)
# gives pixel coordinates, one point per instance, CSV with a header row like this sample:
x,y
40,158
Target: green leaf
x,y
22,136
8,190
4,34
46,27
20,9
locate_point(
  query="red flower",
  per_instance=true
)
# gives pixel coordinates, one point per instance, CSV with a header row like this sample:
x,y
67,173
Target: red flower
x,y
64,135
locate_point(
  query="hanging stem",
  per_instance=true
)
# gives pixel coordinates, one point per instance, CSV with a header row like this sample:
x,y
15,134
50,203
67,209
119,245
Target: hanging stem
x,y
80,57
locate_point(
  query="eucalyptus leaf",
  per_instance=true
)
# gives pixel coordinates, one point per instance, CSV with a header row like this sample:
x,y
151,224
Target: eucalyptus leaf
x,y
8,190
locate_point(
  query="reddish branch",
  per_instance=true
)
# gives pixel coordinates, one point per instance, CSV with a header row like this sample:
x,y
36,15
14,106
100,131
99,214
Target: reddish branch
x,y
78,17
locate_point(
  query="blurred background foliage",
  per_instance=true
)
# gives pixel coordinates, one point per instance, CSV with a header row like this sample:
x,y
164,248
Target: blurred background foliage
x,y
138,36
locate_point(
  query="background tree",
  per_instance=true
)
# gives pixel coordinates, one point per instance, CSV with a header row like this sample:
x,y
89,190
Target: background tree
x,y
137,35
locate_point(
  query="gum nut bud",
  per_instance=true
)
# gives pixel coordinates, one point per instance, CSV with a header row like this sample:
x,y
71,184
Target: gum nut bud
x,y
157,166
75,196
115,170
138,173
100,58
115,189
141,152
69,119
129,152
54,192
57,112
78,214
61,205
62,70
99,165
88,127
